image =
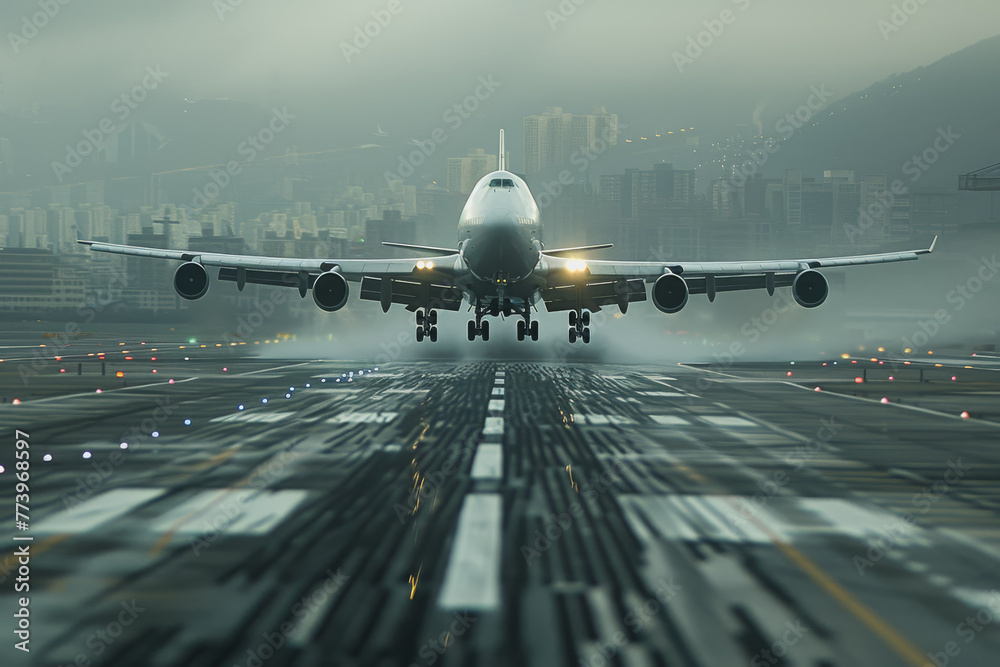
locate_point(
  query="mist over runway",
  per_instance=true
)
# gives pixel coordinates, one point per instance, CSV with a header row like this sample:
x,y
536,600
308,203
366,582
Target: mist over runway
x,y
295,511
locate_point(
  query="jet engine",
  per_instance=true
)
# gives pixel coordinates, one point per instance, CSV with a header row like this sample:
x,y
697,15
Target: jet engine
x,y
810,288
330,291
191,280
670,293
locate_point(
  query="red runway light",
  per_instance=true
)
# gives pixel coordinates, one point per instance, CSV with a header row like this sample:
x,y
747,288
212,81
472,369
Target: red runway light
x,y
859,380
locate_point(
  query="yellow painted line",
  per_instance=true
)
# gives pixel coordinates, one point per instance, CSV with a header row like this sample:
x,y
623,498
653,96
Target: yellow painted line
x,y
218,458
893,639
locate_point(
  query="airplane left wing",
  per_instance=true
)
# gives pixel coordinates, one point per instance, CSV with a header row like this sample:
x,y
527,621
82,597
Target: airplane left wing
x,y
409,281
606,282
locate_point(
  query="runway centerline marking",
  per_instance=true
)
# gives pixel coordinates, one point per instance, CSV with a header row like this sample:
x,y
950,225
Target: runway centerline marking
x,y
472,579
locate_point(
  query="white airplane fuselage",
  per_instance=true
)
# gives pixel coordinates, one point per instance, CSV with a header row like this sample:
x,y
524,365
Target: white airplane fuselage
x,y
499,238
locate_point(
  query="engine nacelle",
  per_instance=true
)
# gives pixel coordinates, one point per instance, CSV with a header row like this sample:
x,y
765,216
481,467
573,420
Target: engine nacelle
x,y
330,291
810,288
670,293
191,280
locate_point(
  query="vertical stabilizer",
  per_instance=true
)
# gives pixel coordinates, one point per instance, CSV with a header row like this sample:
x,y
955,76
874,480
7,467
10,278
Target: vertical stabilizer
x,y
502,161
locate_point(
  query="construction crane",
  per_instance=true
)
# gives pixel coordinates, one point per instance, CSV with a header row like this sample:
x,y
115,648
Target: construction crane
x,y
983,180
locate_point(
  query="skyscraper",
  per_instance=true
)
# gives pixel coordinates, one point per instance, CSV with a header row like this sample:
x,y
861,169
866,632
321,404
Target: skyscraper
x,y
551,138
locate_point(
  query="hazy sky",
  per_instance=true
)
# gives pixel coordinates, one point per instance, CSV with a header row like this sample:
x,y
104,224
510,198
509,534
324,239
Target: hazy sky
x,y
429,55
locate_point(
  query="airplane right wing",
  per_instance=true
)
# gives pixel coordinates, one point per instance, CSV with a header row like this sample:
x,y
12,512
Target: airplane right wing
x,y
598,283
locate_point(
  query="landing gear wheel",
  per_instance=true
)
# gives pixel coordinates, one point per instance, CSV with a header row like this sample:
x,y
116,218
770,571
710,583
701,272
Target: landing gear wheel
x,y
434,334
585,318
484,330
520,330
586,335
420,317
472,330
572,318
534,330
432,317
420,334
572,335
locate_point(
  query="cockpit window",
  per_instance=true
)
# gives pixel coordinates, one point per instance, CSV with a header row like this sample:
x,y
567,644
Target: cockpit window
x,y
495,183
508,183
501,183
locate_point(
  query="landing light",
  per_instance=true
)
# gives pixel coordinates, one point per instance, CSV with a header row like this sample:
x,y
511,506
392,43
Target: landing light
x,y
576,265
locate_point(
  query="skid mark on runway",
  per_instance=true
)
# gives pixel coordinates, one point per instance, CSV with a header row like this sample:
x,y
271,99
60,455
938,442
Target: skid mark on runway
x,y
96,511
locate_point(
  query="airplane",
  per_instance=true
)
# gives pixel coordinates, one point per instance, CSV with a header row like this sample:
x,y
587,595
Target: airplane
x,y
500,267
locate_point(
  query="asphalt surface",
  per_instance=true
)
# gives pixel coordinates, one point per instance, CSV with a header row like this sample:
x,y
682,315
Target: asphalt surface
x,y
499,513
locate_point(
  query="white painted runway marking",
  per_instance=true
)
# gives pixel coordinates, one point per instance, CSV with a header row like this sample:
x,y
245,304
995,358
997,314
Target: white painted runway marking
x,y
602,420
659,378
488,463
669,420
231,512
493,426
363,418
497,391
254,417
728,519
662,394
728,421
495,405
95,511
498,381
472,580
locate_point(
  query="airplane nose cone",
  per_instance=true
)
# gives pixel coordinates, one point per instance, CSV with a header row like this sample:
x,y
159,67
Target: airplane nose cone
x,y
500,217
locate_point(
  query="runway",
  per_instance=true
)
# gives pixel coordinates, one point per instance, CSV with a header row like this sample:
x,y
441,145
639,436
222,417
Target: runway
x,y
284,511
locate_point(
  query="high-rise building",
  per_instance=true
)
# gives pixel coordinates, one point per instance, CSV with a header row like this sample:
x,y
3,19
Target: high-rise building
x,y
465,172
551,138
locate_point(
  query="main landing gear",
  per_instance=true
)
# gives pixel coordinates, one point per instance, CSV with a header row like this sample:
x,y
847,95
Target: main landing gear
x,y
478,327
427,325
579,323
527,329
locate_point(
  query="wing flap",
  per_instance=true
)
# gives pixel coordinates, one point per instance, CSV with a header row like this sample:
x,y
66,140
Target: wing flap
x,y
594,296
412,294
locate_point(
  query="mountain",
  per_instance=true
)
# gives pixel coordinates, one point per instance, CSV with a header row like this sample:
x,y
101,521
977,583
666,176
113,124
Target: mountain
x,y
881,129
